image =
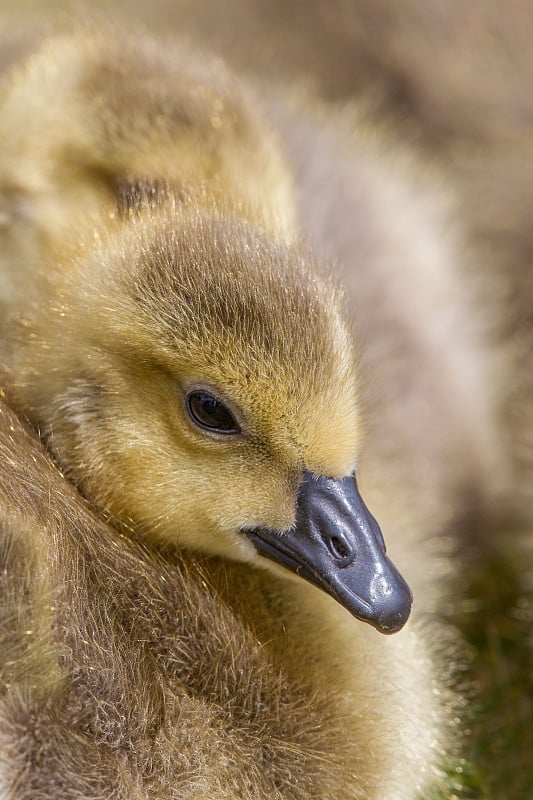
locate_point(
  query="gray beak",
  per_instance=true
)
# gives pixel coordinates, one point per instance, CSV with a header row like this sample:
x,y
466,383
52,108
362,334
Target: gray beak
x,y
337,545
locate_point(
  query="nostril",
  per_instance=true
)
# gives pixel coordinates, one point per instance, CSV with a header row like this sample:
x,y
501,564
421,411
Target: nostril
x,y
337,547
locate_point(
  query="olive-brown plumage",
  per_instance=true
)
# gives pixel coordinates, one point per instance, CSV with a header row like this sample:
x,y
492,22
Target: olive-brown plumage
x,y
153,260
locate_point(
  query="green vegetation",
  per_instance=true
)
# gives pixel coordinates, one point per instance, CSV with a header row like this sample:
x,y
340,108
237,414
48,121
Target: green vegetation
x,y
495,616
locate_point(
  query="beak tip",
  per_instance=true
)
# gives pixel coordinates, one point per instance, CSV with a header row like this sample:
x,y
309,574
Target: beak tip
x,y
394,613
391,624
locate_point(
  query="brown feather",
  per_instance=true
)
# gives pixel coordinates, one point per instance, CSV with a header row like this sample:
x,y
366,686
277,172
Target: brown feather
x,y
156,224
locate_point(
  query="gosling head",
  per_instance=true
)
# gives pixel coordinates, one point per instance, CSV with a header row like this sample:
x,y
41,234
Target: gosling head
x,y
198,382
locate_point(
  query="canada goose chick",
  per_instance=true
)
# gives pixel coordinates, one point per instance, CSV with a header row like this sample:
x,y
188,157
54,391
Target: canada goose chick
x,y
194,374
112,107
170,307
152,683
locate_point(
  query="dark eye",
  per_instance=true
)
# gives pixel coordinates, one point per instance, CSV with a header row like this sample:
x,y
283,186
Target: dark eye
x,y
210,413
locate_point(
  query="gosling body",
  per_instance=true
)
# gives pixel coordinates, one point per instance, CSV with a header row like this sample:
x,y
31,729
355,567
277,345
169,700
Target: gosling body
x,y
135,676
154,218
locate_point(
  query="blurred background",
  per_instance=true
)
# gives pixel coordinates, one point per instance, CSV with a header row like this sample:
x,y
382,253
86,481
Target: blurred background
x,y
452,80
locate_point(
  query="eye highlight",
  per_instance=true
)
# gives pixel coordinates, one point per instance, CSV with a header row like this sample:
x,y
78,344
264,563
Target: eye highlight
x,y
210,413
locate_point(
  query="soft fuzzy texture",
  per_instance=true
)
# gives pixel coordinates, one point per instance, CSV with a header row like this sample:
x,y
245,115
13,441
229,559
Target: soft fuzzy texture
x,y
156,215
